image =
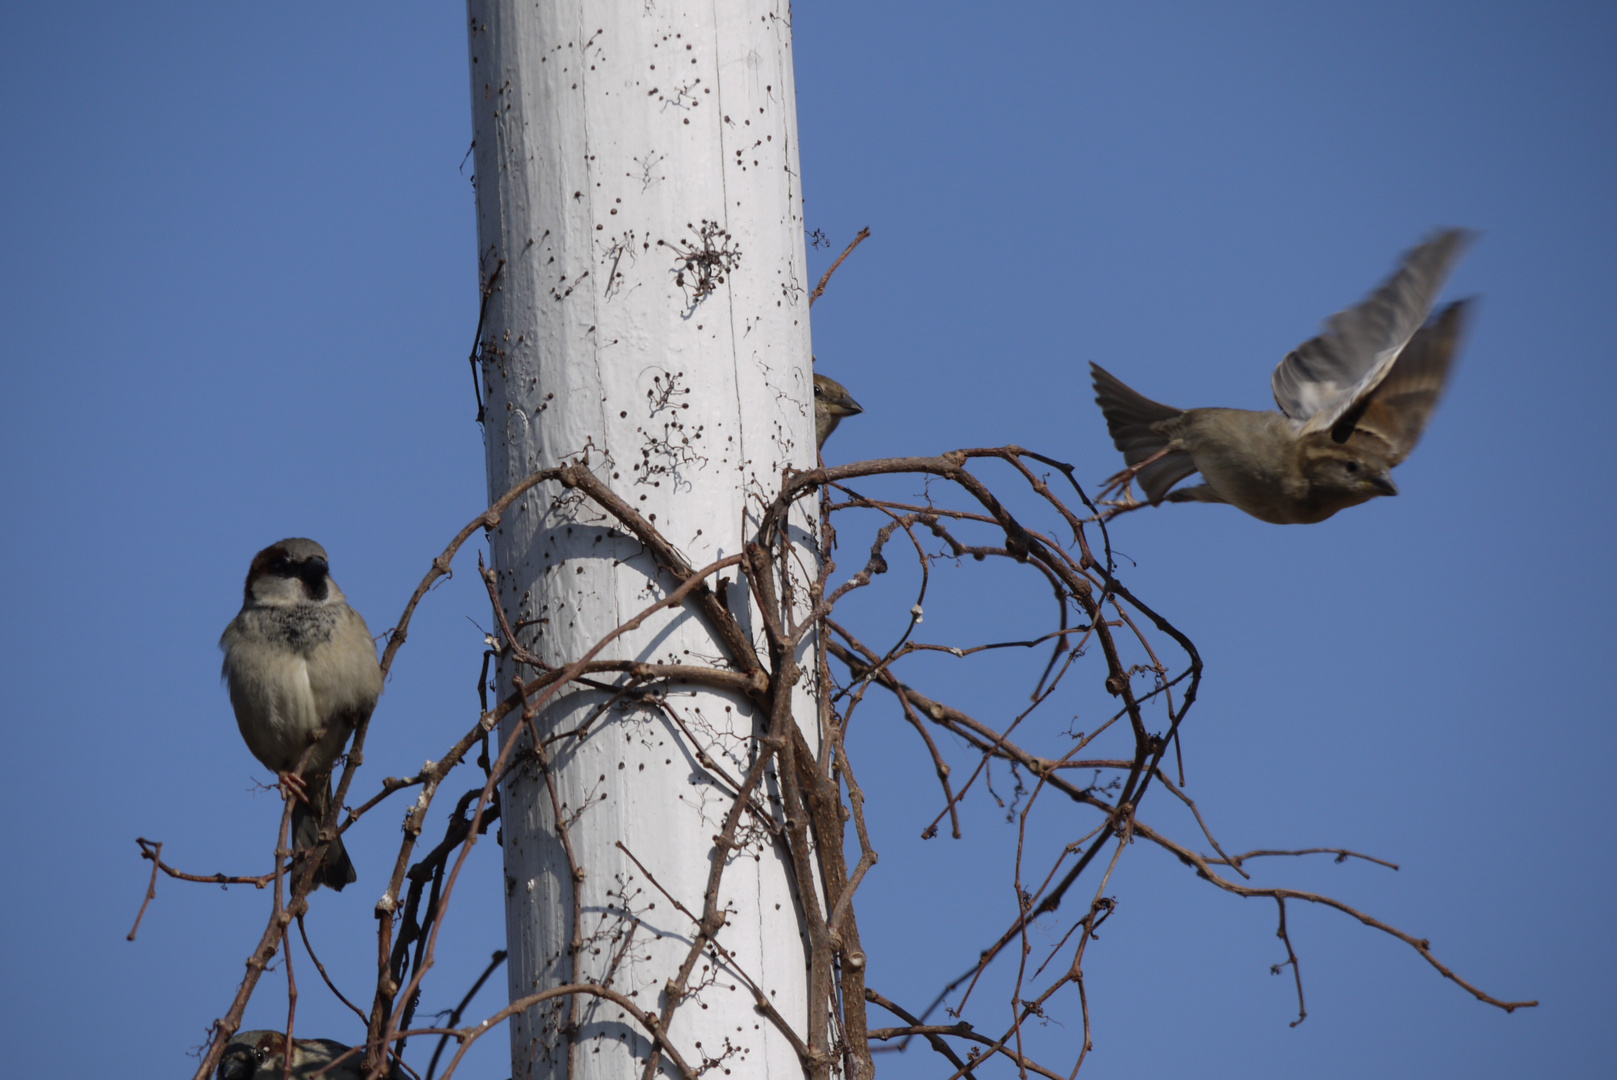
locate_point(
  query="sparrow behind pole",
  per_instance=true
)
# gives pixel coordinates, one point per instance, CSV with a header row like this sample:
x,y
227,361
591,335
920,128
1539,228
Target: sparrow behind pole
x,y
1353,403
831,403
300,663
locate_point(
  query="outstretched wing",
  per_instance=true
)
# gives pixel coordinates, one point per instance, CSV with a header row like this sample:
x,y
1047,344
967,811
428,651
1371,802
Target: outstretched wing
x,y
1324,378
1395,413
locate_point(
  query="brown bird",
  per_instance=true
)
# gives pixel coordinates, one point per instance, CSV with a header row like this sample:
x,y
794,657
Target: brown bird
x,y
260,1055
301,665
831,403
1353,403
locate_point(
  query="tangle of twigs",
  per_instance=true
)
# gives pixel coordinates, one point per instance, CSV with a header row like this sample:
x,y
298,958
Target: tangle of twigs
x,y
805,763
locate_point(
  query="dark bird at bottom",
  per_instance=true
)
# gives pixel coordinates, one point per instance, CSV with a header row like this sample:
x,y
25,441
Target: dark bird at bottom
x,y
260,1055
1353,403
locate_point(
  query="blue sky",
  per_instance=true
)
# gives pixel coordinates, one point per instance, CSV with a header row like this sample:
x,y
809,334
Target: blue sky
x,y
239,288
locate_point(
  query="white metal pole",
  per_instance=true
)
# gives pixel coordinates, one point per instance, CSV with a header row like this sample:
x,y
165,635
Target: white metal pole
x,y
638,190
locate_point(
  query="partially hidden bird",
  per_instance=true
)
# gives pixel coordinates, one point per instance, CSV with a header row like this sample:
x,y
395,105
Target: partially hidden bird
x,y
831,403
260,1055
1353,403
302,671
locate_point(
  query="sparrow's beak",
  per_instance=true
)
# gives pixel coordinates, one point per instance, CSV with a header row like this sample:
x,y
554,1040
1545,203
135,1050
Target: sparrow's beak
x,y
1384,485
844,405
313,573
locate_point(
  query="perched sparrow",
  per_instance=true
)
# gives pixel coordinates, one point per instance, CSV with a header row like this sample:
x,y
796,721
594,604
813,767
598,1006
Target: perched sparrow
x,y
259,1055
831,403
1353,403
301,663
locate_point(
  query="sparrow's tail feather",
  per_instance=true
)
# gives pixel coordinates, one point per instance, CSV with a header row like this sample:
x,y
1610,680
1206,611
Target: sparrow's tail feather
x,y
1156,478
1130,419
336,870
1129,416
1199,493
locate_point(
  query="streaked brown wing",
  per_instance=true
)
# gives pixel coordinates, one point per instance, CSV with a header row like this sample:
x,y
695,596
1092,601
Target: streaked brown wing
x,y
1396,412
1324,378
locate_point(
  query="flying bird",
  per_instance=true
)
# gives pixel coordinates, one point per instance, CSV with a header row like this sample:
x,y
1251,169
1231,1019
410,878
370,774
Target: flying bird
x,y
1353,403
831,403
302,670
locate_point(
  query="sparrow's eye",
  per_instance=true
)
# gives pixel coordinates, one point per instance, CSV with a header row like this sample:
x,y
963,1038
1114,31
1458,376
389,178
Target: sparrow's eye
x,y
1353,466
816,391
